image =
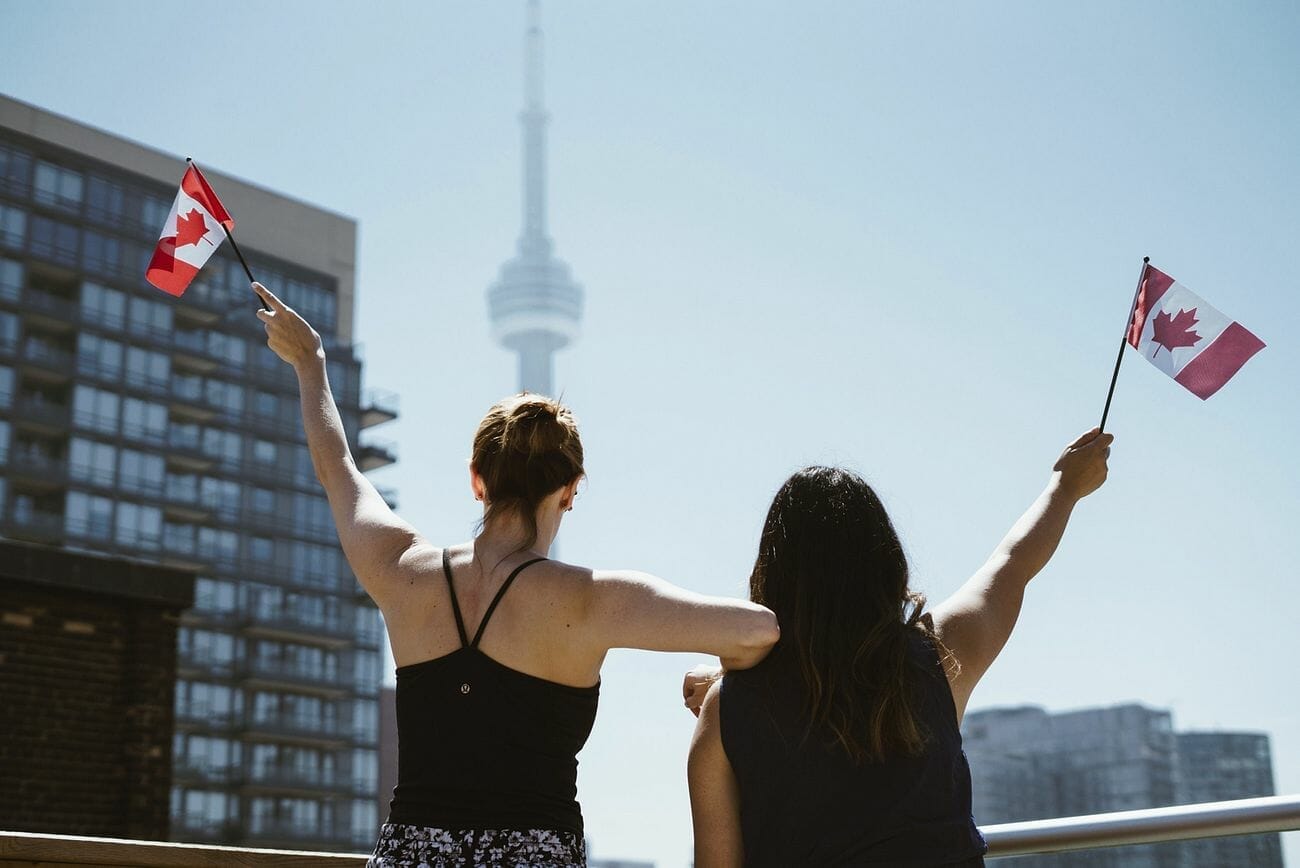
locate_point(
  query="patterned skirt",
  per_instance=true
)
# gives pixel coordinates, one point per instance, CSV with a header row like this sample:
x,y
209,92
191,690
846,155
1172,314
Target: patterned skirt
x,y
404,846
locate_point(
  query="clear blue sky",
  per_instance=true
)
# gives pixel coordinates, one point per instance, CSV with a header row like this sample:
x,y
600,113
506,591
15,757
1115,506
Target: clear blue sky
x,y
901,237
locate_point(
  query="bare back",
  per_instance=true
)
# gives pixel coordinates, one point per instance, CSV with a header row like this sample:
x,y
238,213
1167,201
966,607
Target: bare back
x,y
539,626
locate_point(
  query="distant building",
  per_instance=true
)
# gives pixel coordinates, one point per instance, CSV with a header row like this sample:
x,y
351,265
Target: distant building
x,y
1227,765
1027,764
387,749
163,429
87,676
534,304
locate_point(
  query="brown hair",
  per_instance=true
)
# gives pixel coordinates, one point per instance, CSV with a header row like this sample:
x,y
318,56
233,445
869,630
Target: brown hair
x,y
832,568
526,447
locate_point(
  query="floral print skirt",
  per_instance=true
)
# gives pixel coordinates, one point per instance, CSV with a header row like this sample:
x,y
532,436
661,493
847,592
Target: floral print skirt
x,y
404,846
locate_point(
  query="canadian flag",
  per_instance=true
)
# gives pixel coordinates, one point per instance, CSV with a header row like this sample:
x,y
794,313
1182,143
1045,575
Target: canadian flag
x,y
1186,338
192,233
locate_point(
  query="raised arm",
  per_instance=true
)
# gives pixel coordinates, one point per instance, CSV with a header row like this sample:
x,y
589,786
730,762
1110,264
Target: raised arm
x,y
976,621
375,541
636,610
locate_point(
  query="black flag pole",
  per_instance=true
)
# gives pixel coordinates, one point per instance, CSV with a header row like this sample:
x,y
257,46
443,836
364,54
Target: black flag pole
x,y
235,245
1128,323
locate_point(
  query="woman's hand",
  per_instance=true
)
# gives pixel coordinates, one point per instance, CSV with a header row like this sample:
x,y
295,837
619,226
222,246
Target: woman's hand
x,y
287,334
696,684
1082,466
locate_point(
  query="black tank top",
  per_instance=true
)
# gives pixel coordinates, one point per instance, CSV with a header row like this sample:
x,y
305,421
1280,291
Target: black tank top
x,y
484,746
802,800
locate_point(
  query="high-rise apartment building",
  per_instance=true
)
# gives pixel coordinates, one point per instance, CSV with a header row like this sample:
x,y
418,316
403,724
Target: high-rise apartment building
x,y
1027,764
136,424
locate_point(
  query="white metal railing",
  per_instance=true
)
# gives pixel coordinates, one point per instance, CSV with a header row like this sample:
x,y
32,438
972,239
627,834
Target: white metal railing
x,y
1153,825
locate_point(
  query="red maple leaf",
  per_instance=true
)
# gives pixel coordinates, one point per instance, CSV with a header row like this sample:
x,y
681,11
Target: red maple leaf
x,y
190,228
1175,331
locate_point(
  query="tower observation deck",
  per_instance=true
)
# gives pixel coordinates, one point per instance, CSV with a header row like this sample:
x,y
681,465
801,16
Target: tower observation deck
x,y
534,304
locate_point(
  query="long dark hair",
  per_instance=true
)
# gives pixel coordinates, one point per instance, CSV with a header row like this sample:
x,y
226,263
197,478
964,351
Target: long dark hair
x,y
832,568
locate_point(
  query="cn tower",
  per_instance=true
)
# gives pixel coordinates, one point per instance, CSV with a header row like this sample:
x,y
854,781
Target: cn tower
x,y
535,305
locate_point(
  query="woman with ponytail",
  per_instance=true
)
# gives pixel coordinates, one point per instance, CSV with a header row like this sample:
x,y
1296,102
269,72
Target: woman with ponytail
x,y
843,746
498,648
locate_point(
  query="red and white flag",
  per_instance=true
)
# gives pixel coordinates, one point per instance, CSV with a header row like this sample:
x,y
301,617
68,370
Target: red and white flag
x,y
1186,338
192,233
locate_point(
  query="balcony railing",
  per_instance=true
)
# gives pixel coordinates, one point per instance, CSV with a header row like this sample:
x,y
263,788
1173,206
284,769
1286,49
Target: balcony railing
x,y
24,849
1149,826
378,406
374,454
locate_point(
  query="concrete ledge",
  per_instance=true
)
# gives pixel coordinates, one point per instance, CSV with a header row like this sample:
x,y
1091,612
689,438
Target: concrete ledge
x,y
64,851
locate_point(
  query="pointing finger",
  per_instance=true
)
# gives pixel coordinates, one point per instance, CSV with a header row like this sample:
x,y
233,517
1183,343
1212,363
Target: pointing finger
x,y
268,296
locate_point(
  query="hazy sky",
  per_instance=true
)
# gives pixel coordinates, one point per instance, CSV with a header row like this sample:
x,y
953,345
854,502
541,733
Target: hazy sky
x,y
900,237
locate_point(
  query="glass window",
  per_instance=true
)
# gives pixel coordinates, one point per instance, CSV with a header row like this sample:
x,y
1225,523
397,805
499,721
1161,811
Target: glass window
x,y
150,318
221,495
178,537
214,543
261,549
147,369
58,187
154,211
266,404
54,240
227,347
88,515
13,226
262,500
264,451
212,595
101,253
8,331
227,396
226,446
102,305
15,169
11,279
89,461
141,472
4,453
144,421
95,409
6,386
139,526
98,356
104,199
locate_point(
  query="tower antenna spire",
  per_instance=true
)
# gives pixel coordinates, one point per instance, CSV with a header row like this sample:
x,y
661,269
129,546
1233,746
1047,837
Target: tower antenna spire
x,y
535,306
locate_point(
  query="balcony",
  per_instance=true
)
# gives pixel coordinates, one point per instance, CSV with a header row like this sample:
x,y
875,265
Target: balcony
x,y
49,309
375,454
34,525
34,411
280,675
37,469
295,627
185,451
301,729
377,407
45,361
310,781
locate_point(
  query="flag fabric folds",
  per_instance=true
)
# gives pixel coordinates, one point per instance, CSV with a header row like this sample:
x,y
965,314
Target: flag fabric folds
x,y
1175,330
192,233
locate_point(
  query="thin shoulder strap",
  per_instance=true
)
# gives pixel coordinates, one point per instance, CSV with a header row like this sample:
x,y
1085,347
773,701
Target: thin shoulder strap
x,y
455,606
505,586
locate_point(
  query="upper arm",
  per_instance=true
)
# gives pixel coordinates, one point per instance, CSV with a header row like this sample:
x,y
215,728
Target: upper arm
x,y
715,796
375,541
636,610
976,622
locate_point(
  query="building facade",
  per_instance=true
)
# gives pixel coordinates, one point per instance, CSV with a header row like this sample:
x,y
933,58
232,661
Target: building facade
x,y
88,673
1027,764
158,428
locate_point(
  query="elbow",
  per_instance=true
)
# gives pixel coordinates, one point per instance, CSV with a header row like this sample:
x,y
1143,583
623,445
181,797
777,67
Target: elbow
x,y
761,633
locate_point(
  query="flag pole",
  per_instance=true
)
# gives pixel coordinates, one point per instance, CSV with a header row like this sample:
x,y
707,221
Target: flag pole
x,y
1128,324
235,245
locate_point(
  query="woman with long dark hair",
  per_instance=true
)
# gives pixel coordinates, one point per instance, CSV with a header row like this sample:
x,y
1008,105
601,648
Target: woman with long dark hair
x,y
498,648
843,746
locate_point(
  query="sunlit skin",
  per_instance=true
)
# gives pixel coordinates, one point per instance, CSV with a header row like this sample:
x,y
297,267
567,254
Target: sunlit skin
x,y
557,624
974,624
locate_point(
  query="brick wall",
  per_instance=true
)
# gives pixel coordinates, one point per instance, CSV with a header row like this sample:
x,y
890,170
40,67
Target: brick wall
x,y
86,693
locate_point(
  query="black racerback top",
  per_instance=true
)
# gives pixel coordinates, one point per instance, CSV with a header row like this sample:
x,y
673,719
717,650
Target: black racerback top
x,y
803,801
484,746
